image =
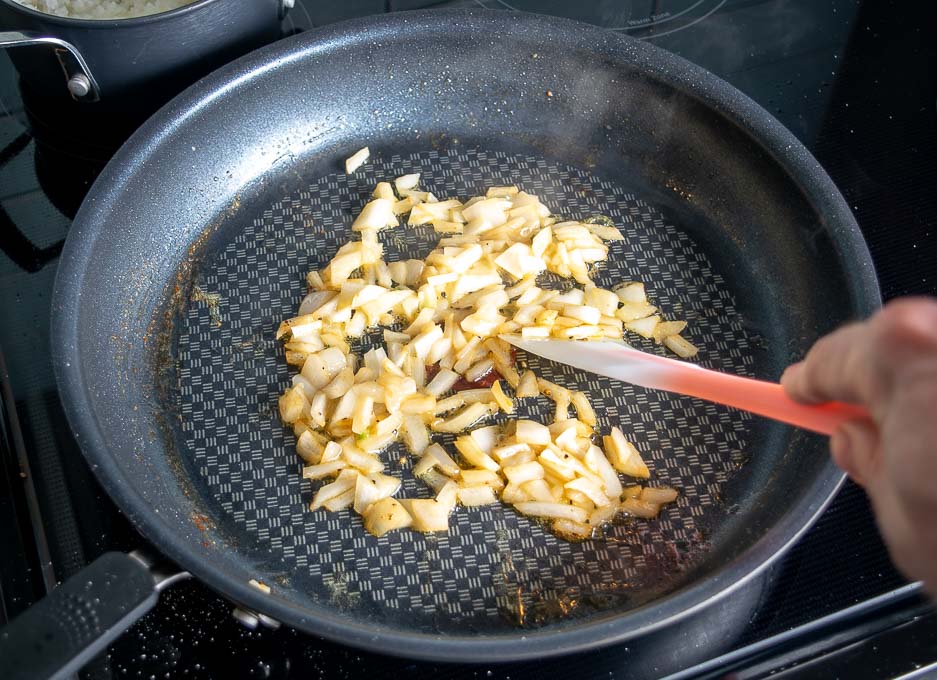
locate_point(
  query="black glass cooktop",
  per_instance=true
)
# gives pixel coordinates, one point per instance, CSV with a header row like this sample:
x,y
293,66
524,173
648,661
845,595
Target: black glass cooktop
x,y
855,81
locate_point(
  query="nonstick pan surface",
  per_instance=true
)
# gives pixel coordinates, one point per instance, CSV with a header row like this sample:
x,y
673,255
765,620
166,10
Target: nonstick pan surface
x,y
194,243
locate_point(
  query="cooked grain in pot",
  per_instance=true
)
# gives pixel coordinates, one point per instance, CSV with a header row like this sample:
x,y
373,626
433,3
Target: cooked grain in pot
x,y
103,9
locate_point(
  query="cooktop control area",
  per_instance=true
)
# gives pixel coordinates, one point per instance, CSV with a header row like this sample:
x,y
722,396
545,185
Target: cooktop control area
x,y
855,81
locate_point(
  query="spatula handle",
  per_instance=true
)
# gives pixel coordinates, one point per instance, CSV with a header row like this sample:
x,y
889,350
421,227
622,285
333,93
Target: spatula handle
x,y
764,398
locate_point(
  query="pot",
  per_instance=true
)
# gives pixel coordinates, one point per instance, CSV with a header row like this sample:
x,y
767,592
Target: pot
x,y
137,63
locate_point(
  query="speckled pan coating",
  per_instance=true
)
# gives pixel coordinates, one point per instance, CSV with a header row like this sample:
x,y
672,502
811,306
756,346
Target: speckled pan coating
x,y
705,159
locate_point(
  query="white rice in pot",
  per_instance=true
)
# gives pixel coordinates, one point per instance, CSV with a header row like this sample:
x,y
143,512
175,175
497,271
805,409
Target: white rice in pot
x,y
103,9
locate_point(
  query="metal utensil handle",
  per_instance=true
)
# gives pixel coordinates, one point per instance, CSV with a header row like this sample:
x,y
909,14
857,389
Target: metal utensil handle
x,y
78,77
78,619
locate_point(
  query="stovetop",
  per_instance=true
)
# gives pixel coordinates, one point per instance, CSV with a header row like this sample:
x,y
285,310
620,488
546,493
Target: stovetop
x,y
855,81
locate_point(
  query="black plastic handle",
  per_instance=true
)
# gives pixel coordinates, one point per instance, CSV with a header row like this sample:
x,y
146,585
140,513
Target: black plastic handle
x,y
78,619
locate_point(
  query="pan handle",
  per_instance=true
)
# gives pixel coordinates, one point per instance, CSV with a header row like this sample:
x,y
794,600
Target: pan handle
x,y
78,619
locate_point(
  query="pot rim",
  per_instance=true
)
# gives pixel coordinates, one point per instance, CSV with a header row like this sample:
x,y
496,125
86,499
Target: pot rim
x,y
106,24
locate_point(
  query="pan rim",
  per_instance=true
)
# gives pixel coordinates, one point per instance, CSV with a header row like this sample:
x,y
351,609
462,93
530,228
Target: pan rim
x,y
785,150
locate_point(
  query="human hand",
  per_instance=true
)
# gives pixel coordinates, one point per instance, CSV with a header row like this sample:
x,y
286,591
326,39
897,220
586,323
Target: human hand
x,y
889,365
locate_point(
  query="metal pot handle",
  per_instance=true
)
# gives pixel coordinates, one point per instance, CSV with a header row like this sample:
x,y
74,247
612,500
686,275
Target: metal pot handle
x,y
78,77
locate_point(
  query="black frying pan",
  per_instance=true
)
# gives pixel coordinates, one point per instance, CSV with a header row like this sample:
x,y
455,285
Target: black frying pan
x,y
234,190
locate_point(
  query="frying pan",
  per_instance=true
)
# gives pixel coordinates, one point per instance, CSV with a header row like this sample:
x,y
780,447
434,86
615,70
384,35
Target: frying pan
x,y
193,244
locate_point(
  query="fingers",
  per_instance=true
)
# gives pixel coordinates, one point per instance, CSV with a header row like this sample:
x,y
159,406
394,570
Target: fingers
x,y
862,362
829,371
854,448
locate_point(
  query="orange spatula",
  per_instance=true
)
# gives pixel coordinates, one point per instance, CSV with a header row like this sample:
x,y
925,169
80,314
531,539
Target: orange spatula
x,y
623,362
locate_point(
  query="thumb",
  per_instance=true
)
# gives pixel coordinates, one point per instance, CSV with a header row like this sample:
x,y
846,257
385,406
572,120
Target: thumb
x,y
854,447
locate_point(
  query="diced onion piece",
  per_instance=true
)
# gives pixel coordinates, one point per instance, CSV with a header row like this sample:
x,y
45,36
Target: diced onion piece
x,y
386,515
539,490
424,465
659,495
447,494
639,508
332,451
340,502
511,451
573,530
501,398
491,210
604,300
387,426
314,300
309,448
519,261
293,405
528,332
317,409
363,414
634,311
518,474
623,456
343,483
320,368
590,489
484,322
422,343
340,384
322,469
632,293
476,495
667,328
442,382
584,410
404,205
474,455
366,462
632,491
596,461
604,514
535,434
587,315
552,510
558,463
486,437
355,161
415,434
528,386
480,478
376,443
407,182
377,214
434,479
464,419
442,460
514,494
416,404
428,514
371,488
680,346
643,327
501,191
384,190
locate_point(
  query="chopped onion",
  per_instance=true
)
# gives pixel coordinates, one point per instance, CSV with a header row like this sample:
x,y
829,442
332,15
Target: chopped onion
x,y
355,161
552,510
480,281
